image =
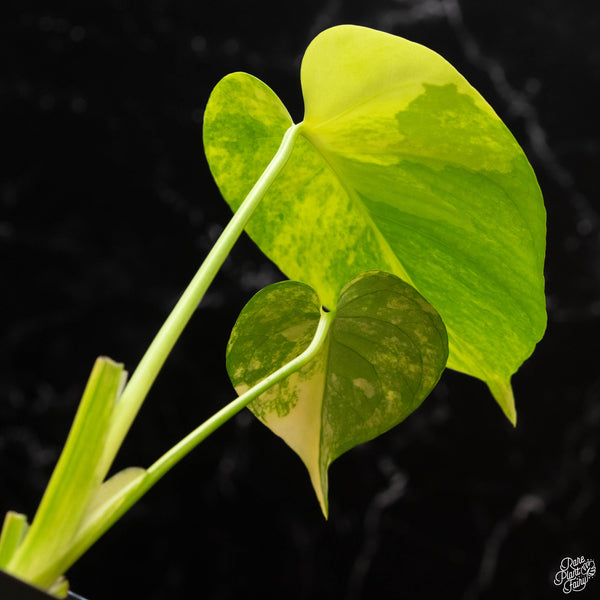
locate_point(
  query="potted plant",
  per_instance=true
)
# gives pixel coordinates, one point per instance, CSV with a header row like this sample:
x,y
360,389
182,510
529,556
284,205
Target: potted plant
x,y
412,229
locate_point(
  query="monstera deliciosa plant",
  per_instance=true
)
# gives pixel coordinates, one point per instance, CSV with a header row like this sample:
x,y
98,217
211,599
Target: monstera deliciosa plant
x,y
412,229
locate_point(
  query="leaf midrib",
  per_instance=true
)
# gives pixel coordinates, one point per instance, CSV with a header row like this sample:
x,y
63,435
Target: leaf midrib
x,y
400,270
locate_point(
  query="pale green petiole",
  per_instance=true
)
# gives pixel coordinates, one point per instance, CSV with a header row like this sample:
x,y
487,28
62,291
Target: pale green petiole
x,y
175,454
13,531
136,482
142,379
77,507
74,481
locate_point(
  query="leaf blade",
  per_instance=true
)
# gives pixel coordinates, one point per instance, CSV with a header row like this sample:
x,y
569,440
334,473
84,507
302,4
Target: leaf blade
x,y
405,168
385,352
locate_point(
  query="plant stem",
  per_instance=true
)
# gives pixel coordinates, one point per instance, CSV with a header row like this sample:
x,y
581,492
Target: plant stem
x,y
142,379
177,452
74,480
129,495
13,531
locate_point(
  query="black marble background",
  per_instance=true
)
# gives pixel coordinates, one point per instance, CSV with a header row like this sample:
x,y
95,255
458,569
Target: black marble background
x,y
106,210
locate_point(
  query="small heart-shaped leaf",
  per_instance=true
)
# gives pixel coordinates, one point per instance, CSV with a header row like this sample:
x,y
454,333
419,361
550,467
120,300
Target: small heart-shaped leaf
x,y
385,351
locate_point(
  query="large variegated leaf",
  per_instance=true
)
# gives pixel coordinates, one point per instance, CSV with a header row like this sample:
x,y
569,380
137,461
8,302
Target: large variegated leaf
x,y
403,167
385,350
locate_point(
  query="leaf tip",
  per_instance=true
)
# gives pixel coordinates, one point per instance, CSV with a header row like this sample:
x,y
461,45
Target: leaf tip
x,y
325,511
323,498
503,394
320,484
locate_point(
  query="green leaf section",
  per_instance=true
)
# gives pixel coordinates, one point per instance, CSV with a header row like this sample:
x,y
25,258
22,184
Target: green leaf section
x,y
260,115
385,351
401,166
